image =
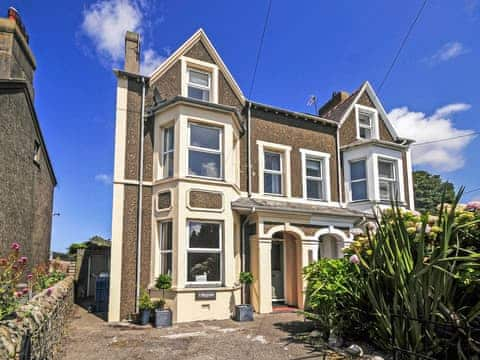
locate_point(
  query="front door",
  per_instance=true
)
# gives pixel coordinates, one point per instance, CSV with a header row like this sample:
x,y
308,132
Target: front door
x,y
277,271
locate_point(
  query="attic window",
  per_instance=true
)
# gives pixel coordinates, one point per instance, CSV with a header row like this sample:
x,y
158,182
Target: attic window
x,y
199,85
366,122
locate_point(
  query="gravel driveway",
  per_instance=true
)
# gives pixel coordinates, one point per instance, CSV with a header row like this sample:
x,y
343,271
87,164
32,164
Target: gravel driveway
x,y
273,336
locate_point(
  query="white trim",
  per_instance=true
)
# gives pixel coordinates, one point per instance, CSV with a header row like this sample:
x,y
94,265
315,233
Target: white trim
x,y
220,151
408,165
158,249
197,36
120,130
156,200
200,66
326,180
395,179
163,130
193,208
285,159
373,115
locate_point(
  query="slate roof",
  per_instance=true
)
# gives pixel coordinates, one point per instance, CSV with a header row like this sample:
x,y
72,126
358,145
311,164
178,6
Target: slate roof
x,y
293,207
336,113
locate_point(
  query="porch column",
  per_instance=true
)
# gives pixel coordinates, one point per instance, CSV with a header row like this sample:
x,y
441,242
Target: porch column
x,y
309,254
261,265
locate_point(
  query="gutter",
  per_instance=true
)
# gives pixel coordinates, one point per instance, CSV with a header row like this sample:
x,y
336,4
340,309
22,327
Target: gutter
x,y
339,168
140,198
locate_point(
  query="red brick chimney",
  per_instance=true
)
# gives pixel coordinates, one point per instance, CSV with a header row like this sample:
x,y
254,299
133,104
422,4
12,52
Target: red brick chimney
x,y
14,15
337,98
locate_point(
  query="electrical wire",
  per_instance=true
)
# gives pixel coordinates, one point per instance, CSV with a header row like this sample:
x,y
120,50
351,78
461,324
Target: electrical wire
x,y
402,44
446,139
260,48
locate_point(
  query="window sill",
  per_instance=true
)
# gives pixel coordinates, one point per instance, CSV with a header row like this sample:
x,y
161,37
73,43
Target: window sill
x,y
220,288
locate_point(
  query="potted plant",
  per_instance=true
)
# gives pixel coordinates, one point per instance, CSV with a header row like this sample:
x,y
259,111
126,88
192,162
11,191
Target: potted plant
x,y
244,312
145,306
163,316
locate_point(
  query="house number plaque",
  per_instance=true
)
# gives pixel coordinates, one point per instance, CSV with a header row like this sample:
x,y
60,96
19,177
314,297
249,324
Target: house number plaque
x,y
205,295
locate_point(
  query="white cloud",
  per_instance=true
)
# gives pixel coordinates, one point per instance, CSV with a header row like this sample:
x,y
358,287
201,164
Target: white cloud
x,y
104,179
447,52
440,156
105,23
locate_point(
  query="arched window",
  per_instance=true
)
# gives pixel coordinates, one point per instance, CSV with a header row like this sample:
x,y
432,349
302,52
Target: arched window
x,y
328,247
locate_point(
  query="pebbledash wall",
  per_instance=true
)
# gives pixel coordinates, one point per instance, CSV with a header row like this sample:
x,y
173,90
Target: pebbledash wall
x,y
38,328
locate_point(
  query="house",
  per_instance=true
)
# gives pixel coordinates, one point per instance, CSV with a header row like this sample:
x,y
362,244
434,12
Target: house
x,y
208,183
26,174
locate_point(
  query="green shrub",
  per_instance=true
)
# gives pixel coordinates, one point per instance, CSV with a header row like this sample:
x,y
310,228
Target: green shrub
x,y
145,302
334,296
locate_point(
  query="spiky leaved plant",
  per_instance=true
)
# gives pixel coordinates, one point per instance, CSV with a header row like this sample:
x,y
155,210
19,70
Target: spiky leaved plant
x,y
412,284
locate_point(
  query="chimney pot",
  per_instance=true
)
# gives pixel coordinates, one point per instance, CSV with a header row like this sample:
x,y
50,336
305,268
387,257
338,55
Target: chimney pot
x,y
14,15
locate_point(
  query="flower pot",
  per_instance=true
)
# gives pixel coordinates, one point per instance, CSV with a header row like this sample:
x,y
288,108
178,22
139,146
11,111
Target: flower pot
x,y
162,318
243,312
144,317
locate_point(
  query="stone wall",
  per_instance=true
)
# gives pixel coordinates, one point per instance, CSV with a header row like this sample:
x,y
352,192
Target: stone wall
x,y
36,332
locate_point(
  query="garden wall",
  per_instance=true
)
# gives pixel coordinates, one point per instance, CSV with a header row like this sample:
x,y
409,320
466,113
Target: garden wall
x,y
38,328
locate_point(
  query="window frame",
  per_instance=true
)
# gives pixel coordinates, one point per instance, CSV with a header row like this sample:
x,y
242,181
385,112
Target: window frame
x,y
365,179
199,86
394,181
324,158
284,150
220,151
273,172
167,152
161,252
373,117
219,250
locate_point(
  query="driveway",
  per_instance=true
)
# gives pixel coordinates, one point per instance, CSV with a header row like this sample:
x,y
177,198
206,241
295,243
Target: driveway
x,y
273,336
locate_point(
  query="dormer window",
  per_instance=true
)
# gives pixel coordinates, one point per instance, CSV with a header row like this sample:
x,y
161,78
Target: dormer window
x,y
199,84
366,122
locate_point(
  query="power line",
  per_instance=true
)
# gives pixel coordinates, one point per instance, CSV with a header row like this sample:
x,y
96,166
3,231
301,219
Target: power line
x,y
402,44
473,190
260,47
446,139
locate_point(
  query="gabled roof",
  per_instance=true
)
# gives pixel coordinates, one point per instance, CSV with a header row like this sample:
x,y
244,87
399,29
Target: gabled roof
x,y
340,112
199,35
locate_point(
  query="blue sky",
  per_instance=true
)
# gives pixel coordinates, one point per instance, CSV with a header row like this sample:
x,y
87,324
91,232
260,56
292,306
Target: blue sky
x,y
310,47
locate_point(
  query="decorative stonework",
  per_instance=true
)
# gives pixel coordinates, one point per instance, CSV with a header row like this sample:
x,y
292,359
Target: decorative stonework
x,y
164,200
38,328
205,200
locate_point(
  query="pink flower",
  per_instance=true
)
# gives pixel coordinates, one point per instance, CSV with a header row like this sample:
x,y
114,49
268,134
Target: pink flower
x,y
354,259
25,291
18,294
3,262
23,260
473,205
15,246
29,276
49,291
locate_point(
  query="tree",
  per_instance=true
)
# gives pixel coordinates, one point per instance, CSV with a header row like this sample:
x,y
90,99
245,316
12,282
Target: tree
x,y
429,190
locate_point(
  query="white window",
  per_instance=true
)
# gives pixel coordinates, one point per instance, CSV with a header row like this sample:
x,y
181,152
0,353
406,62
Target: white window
x,y
205,151
36,152
272,173
204,252
387,179
314,178
199,84
165,246
168,151
358,180
366,122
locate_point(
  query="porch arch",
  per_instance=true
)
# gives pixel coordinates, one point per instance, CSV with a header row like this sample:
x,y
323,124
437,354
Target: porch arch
x,y
287,229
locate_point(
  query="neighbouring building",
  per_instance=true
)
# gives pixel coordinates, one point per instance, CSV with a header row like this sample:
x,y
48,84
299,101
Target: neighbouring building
x,y
208,183
27,179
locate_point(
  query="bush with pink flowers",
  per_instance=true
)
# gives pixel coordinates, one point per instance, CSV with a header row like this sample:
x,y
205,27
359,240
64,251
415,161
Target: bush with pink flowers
x,y
12,271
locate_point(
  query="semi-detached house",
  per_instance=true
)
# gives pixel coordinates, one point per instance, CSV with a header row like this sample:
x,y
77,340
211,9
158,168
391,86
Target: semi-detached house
x,y
208,183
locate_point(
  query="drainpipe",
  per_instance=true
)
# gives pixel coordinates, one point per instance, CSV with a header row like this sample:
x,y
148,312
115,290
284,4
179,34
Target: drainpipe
x,y
339,168
140,196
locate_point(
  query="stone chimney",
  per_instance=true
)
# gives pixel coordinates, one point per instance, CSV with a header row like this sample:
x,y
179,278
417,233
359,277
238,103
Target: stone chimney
x,y
16,58
338,97
132,52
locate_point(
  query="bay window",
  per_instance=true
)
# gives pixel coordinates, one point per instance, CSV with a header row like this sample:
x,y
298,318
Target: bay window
x,y
165,246
358,180
168,151
199,84
204,252
272,173
205,151
387,179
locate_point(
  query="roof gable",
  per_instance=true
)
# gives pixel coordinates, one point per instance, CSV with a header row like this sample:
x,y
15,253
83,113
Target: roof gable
x,y
199,46
353,99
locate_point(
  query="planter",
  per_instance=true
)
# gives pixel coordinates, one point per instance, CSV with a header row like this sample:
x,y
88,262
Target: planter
x,y
243,312
144,317
162,318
